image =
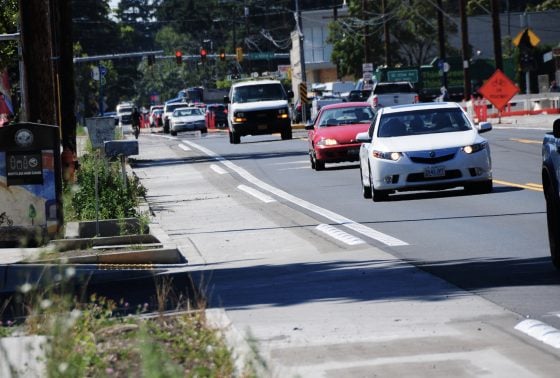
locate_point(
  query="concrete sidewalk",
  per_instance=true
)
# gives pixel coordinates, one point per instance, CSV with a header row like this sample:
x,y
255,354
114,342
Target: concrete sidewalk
x,y
310,306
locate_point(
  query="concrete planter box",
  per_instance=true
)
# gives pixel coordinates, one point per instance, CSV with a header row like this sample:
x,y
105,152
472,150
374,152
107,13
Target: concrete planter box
x,y
107,227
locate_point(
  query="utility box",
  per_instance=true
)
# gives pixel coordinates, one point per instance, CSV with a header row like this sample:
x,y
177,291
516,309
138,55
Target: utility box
x,y
30,184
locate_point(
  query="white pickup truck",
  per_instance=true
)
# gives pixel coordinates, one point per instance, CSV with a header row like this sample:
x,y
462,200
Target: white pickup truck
x,y
392,93
551,188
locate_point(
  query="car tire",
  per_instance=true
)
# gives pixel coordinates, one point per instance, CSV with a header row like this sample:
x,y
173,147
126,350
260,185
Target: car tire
x,y
311,160
204,131
553,223
173,132
377,195
287,135
366,189
234,137
319,165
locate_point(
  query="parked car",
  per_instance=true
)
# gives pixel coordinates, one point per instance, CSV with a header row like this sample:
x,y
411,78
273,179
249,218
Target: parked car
x,y
183,119
216,116
297,111
156,118
424,147
332,136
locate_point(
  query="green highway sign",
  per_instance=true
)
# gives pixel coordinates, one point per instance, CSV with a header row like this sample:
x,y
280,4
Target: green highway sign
x,y
259,55
403,75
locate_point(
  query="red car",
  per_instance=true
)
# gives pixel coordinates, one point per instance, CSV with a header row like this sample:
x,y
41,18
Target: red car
x,y
332,136
216,116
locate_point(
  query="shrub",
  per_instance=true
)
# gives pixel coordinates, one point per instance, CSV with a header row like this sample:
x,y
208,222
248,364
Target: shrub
x,y
116,198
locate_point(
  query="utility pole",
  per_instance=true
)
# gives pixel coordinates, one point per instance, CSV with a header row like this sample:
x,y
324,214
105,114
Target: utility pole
x,y
365,10
495,9
441,40
465,50
387,37
36,36
301,55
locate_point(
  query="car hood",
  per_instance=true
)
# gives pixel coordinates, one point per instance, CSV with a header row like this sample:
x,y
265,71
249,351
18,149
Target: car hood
x,y
428,141
260,105
344,133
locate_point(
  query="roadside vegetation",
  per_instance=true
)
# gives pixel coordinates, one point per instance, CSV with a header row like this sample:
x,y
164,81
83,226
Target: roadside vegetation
x,y
99,337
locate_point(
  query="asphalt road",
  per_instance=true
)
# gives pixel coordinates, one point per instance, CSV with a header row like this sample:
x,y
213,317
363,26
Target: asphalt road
x,y
493,245
324,283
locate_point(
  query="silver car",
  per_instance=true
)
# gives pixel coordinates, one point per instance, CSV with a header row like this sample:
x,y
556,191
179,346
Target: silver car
x,y
187,119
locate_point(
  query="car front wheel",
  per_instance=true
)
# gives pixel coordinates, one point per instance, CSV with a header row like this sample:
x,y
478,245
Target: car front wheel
x,y
377,195
366,189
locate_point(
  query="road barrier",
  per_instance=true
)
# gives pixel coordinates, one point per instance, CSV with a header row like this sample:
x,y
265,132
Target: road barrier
x,y
481,109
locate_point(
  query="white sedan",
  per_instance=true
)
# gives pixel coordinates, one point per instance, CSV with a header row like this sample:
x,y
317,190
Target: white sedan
x,y
187,119
427,146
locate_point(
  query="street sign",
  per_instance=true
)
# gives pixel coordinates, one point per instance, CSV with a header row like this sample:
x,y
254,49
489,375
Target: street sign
x,y
259,56
95,73
403,75
367,67
102,70
533,38
499,89
303,93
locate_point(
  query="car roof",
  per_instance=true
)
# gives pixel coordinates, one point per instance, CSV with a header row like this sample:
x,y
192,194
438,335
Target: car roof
x,y
340,105
254,82
420,106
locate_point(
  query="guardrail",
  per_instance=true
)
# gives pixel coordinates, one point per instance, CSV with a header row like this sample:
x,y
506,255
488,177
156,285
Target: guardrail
x,y
542,103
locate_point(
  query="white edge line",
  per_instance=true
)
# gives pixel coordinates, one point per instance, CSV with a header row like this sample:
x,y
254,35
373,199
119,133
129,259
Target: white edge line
x,y
540,331
219,170
255,193
340,235
332,216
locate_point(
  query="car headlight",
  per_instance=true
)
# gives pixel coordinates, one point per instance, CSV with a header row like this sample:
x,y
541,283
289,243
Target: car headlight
x,y
239,117
283,113
327,142
394,156
475,147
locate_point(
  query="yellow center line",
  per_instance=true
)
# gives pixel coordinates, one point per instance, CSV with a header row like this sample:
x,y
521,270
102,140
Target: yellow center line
x,y
527,141
529,185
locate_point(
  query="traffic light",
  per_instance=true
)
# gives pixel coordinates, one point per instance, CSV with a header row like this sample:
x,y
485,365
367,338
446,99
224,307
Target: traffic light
x,y
223,56
203,54
179,57
239,53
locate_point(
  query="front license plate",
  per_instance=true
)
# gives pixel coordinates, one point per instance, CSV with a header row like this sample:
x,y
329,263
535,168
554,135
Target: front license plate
x,y
353,151
261,127
438,171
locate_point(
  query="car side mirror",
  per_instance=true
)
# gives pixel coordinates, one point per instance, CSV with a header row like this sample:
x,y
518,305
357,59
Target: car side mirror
x,y
226,100
363,137
309,125
484,127
556,128
290,94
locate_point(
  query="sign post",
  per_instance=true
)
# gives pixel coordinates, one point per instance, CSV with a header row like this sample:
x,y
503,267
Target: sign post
x,y
499,89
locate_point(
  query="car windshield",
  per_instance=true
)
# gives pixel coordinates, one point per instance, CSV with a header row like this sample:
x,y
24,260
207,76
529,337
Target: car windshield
x,y
422,122
187,112
171,108
345,116
258,92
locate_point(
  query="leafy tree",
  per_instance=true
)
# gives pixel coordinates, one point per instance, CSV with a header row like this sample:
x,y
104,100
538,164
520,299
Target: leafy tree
x,y
8,25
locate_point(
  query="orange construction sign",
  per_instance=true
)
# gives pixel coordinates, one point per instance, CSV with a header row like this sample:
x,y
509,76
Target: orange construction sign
x,y
499,89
